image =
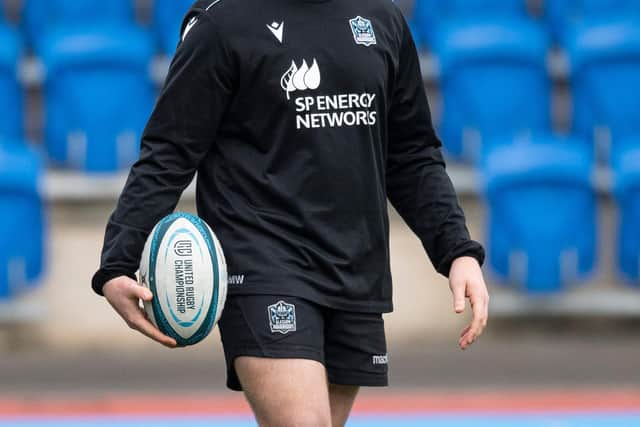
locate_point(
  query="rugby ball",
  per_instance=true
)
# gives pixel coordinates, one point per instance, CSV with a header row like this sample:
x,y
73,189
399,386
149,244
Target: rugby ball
x,y
184,267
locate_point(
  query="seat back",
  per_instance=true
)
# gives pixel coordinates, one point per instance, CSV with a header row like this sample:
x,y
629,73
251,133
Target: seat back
x,y
542,214
42,16
627,186
11,102
98,96
429,14
494,83
605,80
21,220
458,8
563,14
168,16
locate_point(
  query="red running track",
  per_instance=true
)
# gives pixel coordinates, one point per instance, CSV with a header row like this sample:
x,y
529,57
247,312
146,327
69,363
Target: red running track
x,y
411,403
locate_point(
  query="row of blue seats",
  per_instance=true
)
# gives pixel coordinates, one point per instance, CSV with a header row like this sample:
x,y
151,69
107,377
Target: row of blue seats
x,y
542,216
496,85
22,220
43,17
494,82
428,16
98,95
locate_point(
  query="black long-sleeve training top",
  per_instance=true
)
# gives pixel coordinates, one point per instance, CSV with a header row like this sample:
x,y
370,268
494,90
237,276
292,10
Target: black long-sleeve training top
x,y
301,117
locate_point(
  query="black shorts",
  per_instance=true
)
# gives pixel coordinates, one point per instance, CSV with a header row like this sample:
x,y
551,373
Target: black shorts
x,y
351,346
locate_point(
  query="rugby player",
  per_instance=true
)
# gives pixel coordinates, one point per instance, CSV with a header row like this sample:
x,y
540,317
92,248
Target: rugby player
x,y
301,118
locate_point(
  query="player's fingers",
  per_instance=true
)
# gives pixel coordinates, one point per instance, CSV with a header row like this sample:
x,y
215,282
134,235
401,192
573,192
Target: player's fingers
x,y
482,301
479,303
464,331
470,336
144,326
463,343
485,318
478,319
140,292
458,289
467,340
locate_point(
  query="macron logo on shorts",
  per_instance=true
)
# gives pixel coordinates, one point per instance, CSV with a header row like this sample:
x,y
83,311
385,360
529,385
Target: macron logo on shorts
x,y
381,359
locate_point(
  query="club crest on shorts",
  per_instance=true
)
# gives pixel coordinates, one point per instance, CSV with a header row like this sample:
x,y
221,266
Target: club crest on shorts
x,y
282,317
362,31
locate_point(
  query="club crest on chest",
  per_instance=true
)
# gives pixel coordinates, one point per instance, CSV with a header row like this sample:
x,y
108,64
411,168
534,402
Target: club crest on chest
x,y
362,30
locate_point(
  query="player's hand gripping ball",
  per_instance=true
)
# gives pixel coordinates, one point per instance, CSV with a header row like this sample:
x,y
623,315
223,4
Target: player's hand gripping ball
x,y
184,267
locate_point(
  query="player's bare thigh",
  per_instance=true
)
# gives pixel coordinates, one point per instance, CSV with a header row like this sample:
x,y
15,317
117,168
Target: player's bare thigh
x,y
341,400
286,392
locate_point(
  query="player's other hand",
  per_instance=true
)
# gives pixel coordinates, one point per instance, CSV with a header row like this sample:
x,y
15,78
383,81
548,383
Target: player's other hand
x,y
124,295
466,281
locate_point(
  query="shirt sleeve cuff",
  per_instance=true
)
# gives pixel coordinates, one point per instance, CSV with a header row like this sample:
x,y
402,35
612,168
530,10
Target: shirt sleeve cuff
x,y
469,248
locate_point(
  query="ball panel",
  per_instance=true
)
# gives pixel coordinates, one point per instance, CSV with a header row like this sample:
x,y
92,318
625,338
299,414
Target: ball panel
x,y
157,236
143,276
223,280
218,283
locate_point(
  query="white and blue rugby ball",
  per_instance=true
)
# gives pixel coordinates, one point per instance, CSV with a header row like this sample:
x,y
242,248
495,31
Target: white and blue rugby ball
x,y
184,267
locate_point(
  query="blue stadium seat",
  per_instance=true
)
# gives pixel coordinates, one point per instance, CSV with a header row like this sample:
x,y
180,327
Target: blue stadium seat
x,y
11,103
429,14
43,16
168,16
98,96
21,220
605,81
627,189
563,14
542,219
494,83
